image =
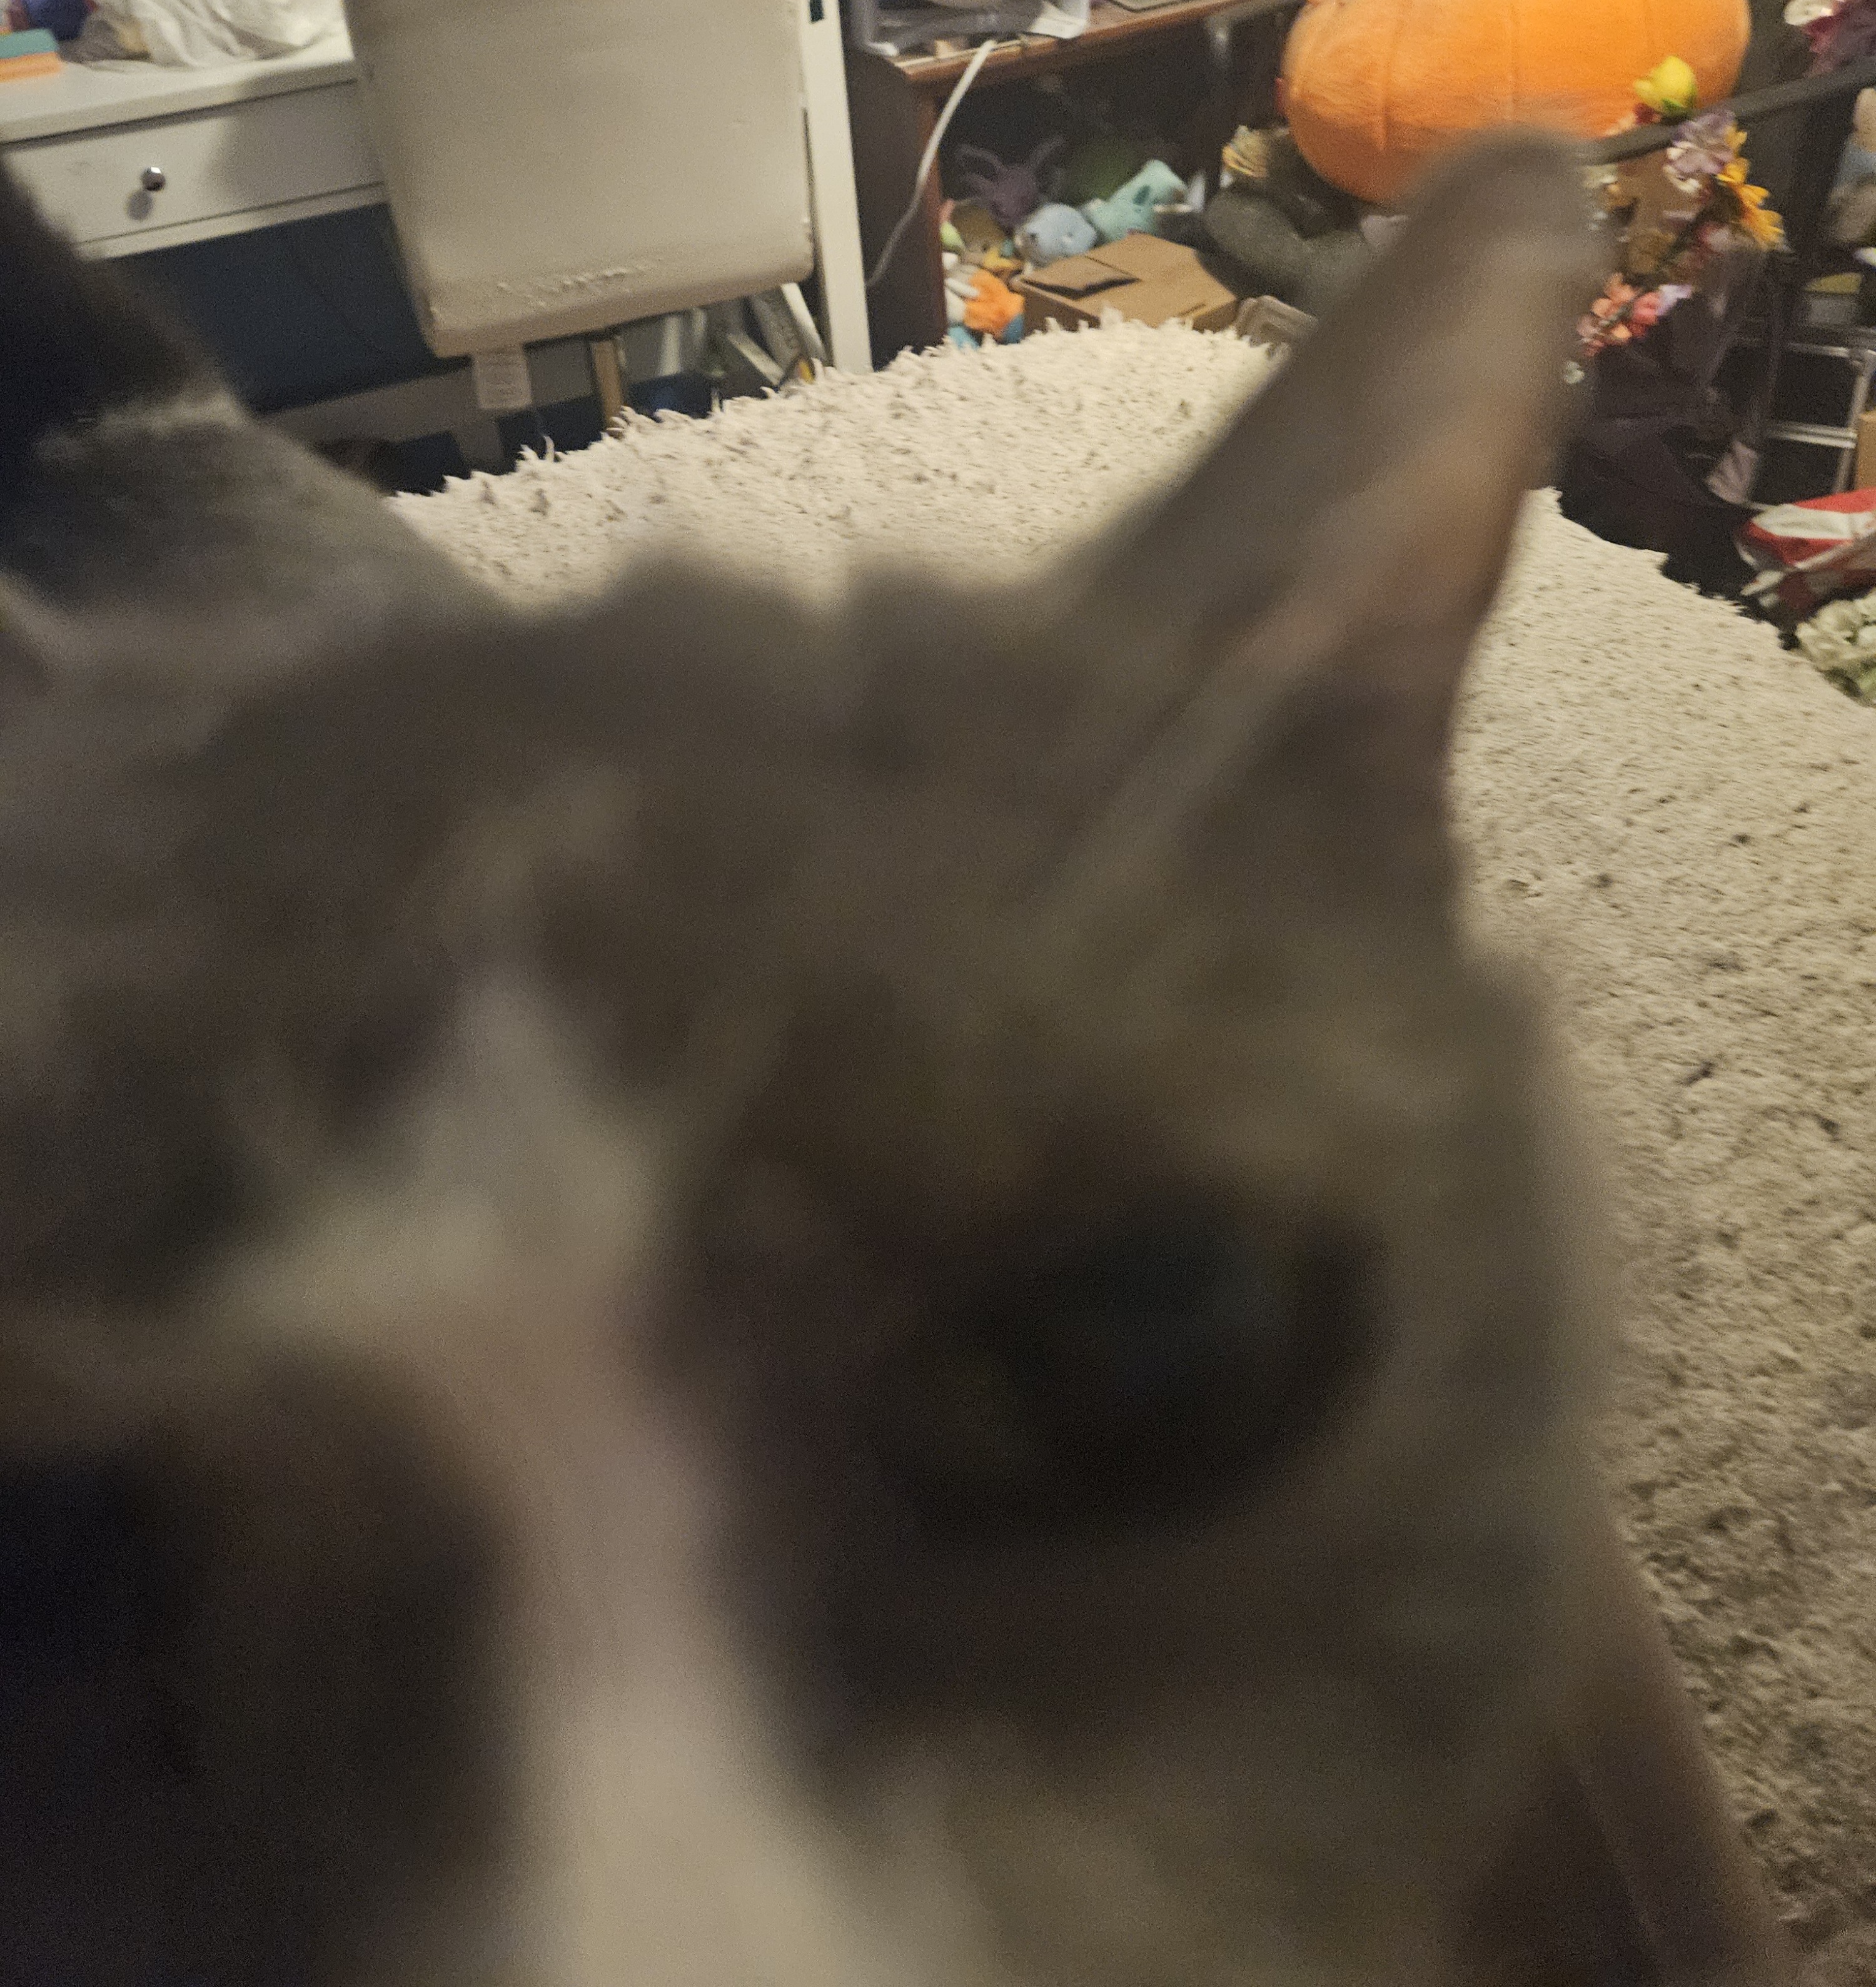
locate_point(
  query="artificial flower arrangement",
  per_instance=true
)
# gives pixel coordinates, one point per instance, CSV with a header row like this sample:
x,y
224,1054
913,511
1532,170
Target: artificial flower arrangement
x,y
1682,206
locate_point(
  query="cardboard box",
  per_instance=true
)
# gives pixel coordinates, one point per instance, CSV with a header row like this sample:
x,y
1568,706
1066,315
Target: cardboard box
x,y
1150,280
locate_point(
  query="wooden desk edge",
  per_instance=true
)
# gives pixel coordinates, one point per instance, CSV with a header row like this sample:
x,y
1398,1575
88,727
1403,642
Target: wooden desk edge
x,y
1037,55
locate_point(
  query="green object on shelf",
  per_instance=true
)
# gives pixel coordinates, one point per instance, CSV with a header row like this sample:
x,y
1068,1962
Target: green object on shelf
x,y
27,41
1098,168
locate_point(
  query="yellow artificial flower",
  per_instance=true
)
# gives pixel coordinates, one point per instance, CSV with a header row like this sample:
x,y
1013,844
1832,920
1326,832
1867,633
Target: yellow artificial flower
x,y
1757,220
1750,214
1670,88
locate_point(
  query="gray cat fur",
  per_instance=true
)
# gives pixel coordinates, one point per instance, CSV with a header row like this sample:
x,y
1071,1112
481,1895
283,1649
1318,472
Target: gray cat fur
x,y
563,1181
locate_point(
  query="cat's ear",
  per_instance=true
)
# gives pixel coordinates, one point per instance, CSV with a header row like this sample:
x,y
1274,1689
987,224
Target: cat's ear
x,y
1337,551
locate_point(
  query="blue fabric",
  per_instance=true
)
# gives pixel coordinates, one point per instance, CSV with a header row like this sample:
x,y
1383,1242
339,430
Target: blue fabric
x,y
62,17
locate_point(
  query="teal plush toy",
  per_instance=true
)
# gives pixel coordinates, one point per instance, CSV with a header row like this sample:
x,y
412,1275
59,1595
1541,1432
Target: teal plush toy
x,y
968,341
1131,210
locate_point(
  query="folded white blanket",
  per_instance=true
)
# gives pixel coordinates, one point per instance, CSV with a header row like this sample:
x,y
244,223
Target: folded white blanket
x,y
199,33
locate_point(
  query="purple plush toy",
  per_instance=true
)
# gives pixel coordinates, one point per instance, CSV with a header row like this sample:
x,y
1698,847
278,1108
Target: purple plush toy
x,y
1011,192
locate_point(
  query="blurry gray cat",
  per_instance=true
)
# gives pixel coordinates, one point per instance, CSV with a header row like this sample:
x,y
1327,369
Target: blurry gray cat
x,y
700,1292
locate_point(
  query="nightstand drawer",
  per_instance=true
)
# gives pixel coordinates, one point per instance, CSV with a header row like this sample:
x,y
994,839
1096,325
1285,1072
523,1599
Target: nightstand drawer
x,y
112,185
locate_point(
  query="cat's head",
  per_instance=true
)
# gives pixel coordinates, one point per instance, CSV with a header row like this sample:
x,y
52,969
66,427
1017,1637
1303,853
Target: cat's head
x,y
857,1298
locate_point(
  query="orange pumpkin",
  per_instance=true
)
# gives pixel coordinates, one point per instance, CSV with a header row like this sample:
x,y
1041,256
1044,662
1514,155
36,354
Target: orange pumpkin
x,y
1375,89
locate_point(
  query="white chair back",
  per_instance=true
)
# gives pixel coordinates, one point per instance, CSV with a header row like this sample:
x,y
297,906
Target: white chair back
x,y
559,167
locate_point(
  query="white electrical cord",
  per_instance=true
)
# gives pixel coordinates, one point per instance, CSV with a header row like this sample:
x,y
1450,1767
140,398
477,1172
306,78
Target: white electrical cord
x,y
930,159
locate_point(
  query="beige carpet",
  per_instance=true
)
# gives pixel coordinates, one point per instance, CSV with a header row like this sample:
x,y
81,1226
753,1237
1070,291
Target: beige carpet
x,y
1674,820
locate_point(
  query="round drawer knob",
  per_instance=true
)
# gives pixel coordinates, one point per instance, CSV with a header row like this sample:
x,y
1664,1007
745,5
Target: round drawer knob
x,y
155,179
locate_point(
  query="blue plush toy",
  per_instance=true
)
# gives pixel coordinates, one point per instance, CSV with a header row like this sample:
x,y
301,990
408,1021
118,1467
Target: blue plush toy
x,y
1131,210
968,341
1054,232
61,17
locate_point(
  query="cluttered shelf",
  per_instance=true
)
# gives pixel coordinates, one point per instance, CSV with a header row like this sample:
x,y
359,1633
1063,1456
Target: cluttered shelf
x,y
1146,97
1111,26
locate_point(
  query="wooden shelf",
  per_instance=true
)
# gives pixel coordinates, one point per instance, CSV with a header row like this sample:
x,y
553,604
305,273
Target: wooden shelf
x,y
895,103
1110,28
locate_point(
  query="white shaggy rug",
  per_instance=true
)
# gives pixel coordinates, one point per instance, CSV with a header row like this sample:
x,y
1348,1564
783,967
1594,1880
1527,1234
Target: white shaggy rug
x,y
1674,820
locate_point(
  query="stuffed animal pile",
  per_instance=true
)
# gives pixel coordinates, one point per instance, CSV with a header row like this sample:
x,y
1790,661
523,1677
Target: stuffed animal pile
x,y
1056,203
1372,93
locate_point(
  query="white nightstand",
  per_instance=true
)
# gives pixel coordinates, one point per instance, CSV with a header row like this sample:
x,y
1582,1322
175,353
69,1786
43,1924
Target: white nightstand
x,y
127,157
